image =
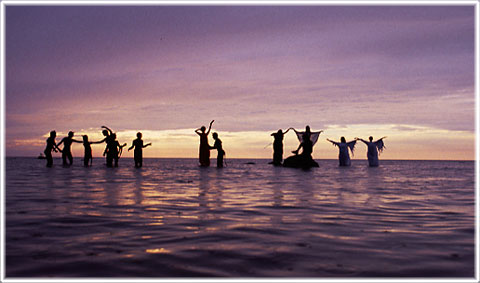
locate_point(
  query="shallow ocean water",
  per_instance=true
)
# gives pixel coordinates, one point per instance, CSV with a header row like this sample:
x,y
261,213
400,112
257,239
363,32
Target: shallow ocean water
x,y
172,218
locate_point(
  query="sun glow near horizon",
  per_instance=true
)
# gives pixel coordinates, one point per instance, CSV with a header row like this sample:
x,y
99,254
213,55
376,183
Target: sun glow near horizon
x,y
402,142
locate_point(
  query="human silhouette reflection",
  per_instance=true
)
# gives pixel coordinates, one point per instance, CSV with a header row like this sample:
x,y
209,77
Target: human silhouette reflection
x,y
138,151
278,147
113,150
303,160
374,147
343,146
51,145
204,150
67,149
220,152
87,156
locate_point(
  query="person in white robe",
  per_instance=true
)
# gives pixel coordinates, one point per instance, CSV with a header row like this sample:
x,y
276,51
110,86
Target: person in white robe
x,y
343,146
374,147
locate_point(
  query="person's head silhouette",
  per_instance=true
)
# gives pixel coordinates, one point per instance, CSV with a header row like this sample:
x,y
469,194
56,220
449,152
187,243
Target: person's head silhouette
x,y
370,138
215,135
70,134
203,129
105,133
342,139
53,134
139,135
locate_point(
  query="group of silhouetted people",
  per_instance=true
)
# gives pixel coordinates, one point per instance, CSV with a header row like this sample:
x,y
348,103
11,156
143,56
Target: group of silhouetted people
x,y
204,150
112,152
308,139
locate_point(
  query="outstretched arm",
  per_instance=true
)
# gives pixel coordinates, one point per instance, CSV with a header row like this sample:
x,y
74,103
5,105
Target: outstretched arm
x,y
133,145
57,145
210,127
335,143
364,141
148,144
287,130
99,141
77,141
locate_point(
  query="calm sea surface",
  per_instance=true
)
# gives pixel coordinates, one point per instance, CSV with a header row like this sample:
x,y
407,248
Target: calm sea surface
x,y
174,219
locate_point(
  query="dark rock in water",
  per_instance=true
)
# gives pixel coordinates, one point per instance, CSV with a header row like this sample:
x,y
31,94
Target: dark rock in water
x,y
250,163
299,161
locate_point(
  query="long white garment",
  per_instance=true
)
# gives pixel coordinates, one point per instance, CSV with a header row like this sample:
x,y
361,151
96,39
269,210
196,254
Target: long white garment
x,y
373,149
343,156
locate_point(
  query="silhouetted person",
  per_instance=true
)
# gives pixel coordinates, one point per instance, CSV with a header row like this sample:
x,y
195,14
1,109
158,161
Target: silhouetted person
x,y
204,150
278,147
220,152
51,145
312,135
87,156
67,149
343,146
109,140
373,148
303,160
113,150
138,151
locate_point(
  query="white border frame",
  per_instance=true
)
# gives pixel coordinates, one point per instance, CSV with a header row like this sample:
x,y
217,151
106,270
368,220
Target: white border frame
x,y
474,3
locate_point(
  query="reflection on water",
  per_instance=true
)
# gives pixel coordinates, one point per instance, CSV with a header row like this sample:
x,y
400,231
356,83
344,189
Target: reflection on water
x,y
172,218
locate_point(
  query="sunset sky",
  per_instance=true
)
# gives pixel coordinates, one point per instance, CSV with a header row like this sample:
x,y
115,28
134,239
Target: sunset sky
x,y
406,72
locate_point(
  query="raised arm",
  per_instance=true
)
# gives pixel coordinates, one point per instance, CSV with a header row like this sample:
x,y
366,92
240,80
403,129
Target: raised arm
x,y
210,127
108,129
287,130
198,131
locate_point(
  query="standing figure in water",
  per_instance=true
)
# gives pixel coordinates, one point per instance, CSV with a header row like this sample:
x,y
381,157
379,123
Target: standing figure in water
x,y
343,146
138,151
87,156
109,140
373,148
67,149
204,150
220,152
278,147
113,151
51,145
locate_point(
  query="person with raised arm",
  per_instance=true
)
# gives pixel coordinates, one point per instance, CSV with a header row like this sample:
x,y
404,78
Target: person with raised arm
x,y
313,135
278,147
67,149
374,147
138,151
343,146
204,150
51,146
220,152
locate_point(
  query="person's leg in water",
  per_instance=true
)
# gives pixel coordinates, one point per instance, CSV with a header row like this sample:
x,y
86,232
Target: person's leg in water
x,y
49,157
220,160
70,158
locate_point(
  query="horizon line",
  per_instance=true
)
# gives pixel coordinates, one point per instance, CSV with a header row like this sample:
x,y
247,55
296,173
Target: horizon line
x,y
255,158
